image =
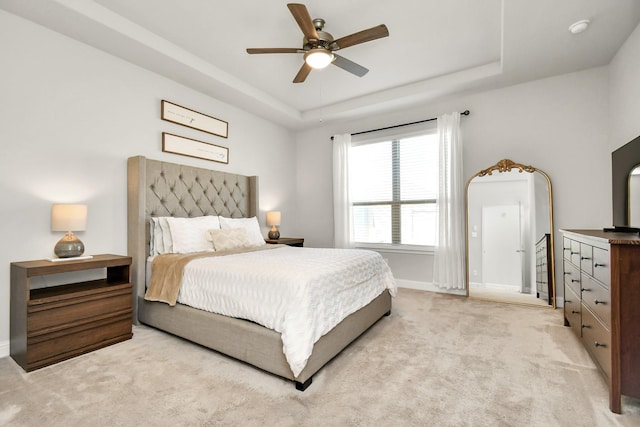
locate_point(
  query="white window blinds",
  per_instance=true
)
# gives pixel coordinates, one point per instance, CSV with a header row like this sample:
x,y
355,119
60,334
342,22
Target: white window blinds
x,y
393,184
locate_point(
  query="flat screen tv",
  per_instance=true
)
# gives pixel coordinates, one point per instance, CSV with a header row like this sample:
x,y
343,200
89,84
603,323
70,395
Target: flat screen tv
x,y
625,168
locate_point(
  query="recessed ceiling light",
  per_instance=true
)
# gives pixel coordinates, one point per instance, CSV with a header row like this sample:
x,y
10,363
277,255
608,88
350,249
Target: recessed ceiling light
x,y
578,27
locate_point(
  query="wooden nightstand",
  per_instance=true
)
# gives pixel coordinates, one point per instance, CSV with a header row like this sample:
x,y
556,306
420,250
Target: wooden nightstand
x,y
289,241
52,324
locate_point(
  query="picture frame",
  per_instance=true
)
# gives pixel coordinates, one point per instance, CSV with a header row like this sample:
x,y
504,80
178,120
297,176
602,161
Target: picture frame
x,y
178,114
193,148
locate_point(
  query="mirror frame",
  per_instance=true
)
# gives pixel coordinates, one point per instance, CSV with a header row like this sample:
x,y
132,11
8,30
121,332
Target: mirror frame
x,y
506,165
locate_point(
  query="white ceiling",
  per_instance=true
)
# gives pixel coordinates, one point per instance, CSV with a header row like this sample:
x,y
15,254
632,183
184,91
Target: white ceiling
x,y
435,48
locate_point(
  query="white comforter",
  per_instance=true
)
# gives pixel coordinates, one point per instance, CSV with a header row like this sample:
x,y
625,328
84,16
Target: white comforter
x,y
300,292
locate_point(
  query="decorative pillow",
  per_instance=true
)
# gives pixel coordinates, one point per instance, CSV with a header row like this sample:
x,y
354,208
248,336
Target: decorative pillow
x,y
249,224
231,238
161,242
190,234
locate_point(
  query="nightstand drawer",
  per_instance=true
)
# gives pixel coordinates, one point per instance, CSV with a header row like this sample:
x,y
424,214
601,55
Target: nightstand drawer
x,y
50,348
59,314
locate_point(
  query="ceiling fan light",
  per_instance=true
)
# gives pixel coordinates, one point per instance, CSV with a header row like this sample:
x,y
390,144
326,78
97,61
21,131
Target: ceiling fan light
x,y
318,58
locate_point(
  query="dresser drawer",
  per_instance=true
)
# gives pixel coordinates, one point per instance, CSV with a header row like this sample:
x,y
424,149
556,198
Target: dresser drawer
x,y
572,309
572,277
575,253
566,249
597,340
597,298
586,258
59,314
601,268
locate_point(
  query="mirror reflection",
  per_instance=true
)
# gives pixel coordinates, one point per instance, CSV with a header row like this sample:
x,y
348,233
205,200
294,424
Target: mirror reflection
x,y
634,197
510,235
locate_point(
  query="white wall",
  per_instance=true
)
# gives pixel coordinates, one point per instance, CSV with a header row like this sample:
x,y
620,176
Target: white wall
x,y
71,115
559,125
625,92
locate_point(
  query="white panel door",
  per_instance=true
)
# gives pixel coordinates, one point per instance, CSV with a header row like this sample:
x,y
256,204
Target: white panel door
x,y
501,246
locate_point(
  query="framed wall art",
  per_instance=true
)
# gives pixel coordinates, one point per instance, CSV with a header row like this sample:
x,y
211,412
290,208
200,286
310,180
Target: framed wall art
x,y
193,148
186,117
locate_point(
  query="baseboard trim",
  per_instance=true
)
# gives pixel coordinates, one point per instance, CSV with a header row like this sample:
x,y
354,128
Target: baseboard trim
x,y
4,348
428,286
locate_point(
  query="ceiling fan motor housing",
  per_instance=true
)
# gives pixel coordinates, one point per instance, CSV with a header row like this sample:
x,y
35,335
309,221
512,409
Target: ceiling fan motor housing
x,y
324,39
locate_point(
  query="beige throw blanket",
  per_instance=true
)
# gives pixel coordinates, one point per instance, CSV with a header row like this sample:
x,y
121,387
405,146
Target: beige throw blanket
x,y
167,271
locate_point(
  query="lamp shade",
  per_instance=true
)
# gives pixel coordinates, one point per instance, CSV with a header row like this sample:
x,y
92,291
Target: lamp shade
x,y
273,218
68,217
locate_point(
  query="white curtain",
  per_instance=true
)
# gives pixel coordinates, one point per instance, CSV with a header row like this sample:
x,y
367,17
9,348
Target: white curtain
x,y
449,261
341,200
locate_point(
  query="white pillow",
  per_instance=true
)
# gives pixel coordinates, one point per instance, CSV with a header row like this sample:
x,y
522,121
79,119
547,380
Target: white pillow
x,y
249,224
161,242
231,238
190,234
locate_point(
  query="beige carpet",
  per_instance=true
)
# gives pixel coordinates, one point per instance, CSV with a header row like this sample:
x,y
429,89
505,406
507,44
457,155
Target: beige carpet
x,y
438,360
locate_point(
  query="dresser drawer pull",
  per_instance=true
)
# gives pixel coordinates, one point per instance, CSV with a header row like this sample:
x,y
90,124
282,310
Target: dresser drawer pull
x,y
599,302
585,290
584,257
567,301
567,273
597,344
599,265
575,280
575,312
585,326
574,253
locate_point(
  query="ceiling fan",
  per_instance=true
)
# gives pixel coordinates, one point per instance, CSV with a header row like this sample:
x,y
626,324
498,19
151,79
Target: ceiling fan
x,y
319,46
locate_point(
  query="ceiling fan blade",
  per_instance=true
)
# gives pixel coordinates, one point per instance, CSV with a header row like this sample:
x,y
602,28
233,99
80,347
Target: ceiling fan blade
x,y
302,17
303,73
254,50
361,37
349,65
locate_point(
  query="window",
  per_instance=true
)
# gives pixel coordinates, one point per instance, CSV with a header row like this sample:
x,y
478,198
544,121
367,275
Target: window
x,y
393,188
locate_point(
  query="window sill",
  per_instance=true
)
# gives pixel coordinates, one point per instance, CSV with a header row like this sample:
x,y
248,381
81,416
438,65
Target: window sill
x,y
399,249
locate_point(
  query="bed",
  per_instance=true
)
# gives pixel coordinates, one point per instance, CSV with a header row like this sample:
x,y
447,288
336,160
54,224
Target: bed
x,y
162,189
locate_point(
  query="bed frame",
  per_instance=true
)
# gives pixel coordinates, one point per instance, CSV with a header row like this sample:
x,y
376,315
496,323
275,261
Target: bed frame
x,y
158,188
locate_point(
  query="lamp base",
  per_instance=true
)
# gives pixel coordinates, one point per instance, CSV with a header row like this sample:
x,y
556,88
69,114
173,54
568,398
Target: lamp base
x,y
274,233
69,246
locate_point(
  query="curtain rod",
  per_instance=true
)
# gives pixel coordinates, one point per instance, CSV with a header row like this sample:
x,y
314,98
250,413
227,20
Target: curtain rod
x,y
464,113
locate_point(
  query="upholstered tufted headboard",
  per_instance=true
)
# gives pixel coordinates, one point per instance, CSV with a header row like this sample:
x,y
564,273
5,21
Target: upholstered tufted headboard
x,y
158,188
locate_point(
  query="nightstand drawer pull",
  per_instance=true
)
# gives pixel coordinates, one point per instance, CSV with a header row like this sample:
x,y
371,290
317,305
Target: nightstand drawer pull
x,y
597,344
575,280
584,257
575,312
599,302
599,265
585,289
585,326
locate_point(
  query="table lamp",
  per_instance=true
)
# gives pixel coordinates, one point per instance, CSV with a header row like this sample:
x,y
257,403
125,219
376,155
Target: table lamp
x,y
68,218
273,219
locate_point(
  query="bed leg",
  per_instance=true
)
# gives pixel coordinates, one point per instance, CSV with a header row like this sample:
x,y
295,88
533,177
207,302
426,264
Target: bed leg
x,y
303,386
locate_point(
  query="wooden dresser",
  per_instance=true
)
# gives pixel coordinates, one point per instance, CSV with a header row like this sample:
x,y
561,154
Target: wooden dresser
x,y
543,271
55,323
602,304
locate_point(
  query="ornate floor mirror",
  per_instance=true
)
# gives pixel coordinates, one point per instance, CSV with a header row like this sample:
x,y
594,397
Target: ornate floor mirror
x,y
509,235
